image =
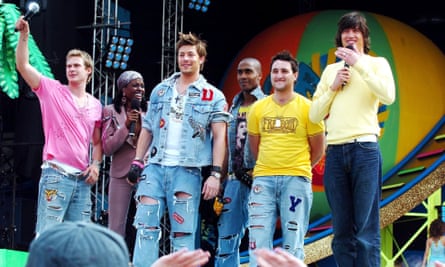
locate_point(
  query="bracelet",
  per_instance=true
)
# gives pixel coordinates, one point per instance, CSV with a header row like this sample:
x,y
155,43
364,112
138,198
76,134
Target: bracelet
x,y
97,163
139,159
138,163
215,168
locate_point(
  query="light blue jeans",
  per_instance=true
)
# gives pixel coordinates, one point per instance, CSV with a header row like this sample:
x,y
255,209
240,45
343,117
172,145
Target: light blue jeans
x,y
287,197
61,198
232,223
163,183
352,181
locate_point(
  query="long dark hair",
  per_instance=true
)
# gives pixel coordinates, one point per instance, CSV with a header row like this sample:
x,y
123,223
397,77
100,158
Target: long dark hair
x,y
436,228
354,20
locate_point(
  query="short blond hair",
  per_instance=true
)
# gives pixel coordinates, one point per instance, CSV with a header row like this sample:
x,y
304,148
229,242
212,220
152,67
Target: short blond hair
x,y
87,60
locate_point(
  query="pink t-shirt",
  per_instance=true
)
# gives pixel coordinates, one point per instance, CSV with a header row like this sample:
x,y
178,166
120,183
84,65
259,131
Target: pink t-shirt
x,y
68,129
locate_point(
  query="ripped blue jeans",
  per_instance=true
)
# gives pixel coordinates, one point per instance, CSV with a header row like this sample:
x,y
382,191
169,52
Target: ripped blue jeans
x,y
290,199
232,223
62,197
162,183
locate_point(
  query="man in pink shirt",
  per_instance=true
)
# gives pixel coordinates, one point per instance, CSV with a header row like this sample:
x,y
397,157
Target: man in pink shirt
x,y
71,122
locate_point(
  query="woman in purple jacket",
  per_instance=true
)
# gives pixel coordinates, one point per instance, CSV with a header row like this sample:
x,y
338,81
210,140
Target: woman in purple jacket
x,y
120,131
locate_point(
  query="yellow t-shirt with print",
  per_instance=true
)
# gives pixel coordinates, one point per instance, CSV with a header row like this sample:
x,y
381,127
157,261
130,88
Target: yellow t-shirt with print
x,y
284,131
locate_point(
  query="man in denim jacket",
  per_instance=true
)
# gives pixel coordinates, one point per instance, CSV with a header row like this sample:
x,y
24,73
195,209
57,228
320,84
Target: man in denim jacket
x,y
184,129
232,222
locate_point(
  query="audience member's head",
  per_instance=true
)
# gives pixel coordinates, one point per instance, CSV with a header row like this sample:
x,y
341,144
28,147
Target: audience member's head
x,y
436,228
78,244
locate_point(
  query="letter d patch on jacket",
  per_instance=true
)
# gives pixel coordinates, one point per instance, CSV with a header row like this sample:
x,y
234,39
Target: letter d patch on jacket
x,y
207,95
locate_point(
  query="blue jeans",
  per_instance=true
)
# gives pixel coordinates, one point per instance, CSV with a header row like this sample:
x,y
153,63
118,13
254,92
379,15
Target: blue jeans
x,y
162,183
290,198
352,181
232,223
62,198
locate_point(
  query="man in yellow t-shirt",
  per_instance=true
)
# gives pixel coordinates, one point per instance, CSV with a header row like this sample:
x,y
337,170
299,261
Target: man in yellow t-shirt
x,y
286,145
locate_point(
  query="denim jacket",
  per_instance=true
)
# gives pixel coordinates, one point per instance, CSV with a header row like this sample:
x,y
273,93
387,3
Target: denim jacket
x,y
205,104
248,160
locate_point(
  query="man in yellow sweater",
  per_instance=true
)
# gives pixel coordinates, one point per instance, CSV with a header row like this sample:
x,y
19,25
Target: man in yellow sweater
x,y
286,145
347,97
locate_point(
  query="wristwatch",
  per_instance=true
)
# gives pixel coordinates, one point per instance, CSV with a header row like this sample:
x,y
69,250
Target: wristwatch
x,y
216,174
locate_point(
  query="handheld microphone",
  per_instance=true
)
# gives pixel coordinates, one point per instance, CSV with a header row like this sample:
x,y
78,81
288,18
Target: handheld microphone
x,y
33,8
135,104
346,64
352,48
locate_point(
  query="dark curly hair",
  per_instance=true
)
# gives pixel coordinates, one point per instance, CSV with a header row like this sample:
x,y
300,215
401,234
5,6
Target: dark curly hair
x,y
286,56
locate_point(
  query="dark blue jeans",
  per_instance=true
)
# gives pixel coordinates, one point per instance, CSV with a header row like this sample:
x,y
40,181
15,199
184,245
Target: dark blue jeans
x,y
352,182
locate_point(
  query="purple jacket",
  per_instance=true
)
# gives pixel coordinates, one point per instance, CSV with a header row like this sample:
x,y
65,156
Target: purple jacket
x,y
116,142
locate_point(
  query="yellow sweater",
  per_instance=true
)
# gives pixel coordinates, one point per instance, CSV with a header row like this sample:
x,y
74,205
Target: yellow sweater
x,y
352,111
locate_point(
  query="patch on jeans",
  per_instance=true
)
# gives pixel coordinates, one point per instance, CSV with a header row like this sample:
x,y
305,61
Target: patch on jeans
x,y
50,194
294,202
178,218
257,189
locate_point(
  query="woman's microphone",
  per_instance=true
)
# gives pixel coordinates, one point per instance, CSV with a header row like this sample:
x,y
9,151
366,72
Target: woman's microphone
x,y
135,104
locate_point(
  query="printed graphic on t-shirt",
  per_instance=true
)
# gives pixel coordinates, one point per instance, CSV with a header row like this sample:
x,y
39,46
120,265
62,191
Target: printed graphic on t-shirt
x,y
280,124
177,108
241,136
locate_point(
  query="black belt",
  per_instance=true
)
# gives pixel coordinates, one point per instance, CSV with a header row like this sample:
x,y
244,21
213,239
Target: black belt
x,y
243,177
